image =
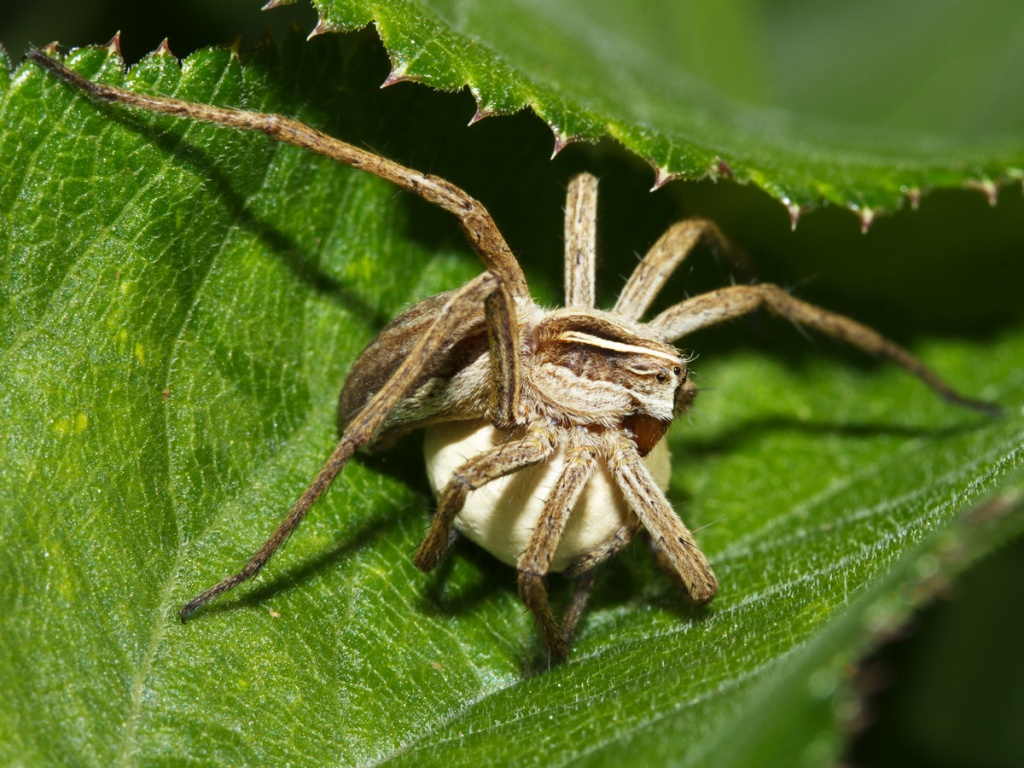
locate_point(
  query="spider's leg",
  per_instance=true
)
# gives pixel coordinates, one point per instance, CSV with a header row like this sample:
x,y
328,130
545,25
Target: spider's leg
x,y
506,387
477,224
664,258
535,561
591,560
580,595
364,426
506,368
656,515
663,563
534,447
735,301
581,241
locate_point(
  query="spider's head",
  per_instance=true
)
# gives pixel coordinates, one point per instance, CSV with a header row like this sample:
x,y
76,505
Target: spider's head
x,y
603,370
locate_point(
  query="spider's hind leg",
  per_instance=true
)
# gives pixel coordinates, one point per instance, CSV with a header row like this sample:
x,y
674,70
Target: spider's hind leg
x,y
363,427
581,593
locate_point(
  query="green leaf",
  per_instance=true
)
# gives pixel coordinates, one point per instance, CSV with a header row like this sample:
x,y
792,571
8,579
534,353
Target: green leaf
x,y
178,307
862,104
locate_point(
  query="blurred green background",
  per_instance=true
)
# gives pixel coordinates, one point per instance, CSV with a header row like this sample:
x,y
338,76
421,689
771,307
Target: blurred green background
x,y
948,692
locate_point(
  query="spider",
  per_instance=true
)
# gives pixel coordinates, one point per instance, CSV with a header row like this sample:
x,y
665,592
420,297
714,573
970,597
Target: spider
x,y
565,408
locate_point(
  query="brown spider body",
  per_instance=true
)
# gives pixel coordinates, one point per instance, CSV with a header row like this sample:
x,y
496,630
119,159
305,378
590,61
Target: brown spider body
x,y
581,369
576,385
572,400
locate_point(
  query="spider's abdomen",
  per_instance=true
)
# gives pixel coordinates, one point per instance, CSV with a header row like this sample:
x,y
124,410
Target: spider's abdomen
x,y
501,515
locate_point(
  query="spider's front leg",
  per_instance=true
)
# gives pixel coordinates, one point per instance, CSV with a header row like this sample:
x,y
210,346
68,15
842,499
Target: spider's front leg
x,y
364,426
679,552
477,225
736,301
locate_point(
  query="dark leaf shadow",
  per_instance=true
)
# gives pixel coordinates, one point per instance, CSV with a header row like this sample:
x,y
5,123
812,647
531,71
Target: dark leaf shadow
x,y
733,439
445,595
300,262
310,569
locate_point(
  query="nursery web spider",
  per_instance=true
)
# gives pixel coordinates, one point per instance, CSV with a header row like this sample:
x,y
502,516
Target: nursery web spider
x,y
578,396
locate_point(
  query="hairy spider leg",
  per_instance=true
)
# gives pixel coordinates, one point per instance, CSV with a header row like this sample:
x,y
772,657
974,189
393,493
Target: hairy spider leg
x,y
580,462
476,223
735,301
463,303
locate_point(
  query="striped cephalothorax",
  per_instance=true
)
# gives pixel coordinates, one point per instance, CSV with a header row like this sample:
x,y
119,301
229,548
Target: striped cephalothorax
x,y
543,428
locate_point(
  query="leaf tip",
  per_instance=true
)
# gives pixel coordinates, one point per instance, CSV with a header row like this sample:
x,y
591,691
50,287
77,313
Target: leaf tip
x,y
114,45
663,176
395,76
795,212
235,47
867,217
562,141
481,114
914,196
482,111
987,187
321,28
164,49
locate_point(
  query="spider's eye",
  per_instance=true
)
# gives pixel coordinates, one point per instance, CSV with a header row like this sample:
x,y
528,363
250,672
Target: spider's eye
x,y
677,370
662,376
